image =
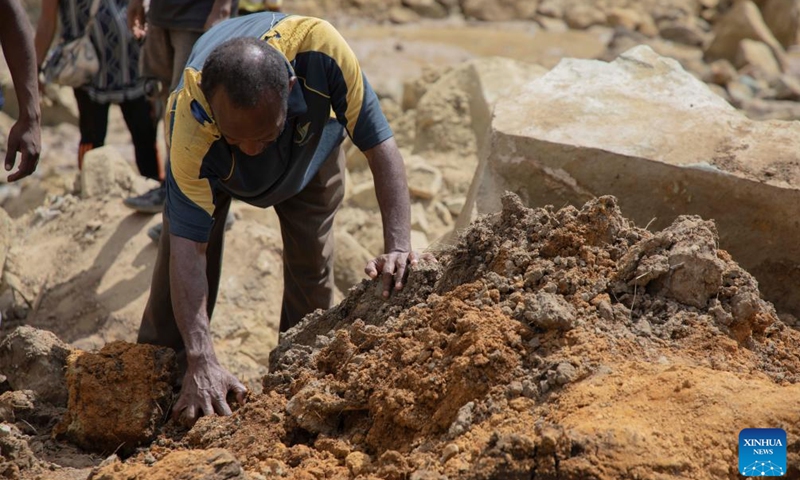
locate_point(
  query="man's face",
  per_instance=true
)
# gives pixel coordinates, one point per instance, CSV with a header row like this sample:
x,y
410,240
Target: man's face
x,y
249,129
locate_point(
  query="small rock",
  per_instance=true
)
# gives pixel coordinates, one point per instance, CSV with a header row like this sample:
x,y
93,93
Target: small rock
x,y
357,462
758,60
403,15
551,24
684,33
565,373
720,72
427,8
787,87
450,451
424,181
581,17
363,196
626,18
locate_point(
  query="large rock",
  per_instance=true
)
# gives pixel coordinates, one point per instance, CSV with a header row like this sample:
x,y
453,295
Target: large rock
x,y
34,360
743,21
783,19
643,129
106,173
499,10
454,113
118,397
349,260
756,58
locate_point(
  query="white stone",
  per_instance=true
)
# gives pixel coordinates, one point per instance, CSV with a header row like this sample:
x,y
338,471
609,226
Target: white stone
x,y
643,129
106,173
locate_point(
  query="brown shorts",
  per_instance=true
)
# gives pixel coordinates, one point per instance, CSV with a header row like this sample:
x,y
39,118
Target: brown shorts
x,y
164,56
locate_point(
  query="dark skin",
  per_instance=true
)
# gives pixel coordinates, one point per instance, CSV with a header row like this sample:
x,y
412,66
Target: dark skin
x,y
206,383
25,135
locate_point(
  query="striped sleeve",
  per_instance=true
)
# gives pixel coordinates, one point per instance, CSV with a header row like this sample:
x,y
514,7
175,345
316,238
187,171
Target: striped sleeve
x,y
353,101
190,199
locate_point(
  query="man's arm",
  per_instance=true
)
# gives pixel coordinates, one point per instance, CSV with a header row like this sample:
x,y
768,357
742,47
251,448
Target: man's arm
x,y
206,383
25,136
221,10
391,188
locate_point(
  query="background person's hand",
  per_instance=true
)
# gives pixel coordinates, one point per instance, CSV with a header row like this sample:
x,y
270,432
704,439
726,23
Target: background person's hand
x,y
204,392
392,268
136,18
24,137
219,12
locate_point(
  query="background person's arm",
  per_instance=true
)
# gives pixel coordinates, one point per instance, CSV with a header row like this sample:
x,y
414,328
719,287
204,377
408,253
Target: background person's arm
x,y
206,383
46,29
25,136
221,10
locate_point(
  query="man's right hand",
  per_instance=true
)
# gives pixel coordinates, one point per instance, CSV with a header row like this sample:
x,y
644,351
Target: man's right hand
x,y
205,388
136,19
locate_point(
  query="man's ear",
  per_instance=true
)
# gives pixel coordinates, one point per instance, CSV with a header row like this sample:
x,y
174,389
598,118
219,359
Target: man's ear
x,y
292,81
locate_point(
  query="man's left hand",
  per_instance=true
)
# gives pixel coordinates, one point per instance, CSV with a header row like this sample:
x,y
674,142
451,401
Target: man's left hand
x,y
392,266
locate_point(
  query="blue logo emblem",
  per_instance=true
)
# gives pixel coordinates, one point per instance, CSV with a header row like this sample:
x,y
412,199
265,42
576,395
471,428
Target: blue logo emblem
x,y
762,452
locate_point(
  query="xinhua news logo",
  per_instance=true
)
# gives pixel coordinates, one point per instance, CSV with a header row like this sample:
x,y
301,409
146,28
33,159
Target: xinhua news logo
x,y
762,452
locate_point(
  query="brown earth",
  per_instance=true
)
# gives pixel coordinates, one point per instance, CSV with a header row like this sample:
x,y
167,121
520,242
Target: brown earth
x,y
544,344
547,344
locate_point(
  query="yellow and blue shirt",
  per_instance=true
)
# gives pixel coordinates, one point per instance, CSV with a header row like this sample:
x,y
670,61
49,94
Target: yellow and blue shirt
x,y
329,79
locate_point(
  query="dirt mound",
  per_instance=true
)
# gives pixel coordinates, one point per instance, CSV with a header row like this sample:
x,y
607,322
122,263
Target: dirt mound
x,y
555,344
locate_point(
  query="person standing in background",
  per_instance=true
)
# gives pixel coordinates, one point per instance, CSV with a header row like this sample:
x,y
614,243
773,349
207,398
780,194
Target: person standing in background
x,y
169,28
25,135
117,81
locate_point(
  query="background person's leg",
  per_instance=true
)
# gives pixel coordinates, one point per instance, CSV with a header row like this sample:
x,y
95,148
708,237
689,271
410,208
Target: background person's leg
x,y
92,123
139,117
307,231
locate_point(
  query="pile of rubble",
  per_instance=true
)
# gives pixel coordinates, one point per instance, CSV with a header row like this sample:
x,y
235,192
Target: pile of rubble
x,y
561,343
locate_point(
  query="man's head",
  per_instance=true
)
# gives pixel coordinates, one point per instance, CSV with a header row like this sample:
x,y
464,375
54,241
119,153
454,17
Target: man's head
x,y
247,85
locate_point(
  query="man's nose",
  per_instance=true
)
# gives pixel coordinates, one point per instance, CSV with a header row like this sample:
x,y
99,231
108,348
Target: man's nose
x,y
251,148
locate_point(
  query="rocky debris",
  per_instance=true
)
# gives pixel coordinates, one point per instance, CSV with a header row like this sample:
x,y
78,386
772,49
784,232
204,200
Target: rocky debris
x,y
743,21
659,169
106,173
118,397
424,181
34,360
756,59
450,377
212,464
783,19
493,11
16,404
16,456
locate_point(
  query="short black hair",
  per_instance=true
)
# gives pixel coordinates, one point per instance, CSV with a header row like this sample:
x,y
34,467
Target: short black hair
x,y
246,68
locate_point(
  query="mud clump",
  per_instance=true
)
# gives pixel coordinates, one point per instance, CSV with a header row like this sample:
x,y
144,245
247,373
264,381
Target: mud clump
x,y
212,464
118,397
545,343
